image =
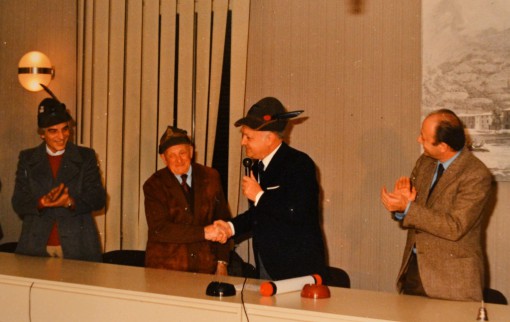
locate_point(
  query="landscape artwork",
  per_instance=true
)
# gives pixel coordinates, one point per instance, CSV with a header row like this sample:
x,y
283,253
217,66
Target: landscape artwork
x,y
466,68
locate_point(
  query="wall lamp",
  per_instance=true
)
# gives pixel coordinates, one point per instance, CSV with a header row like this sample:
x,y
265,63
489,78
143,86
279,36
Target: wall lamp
x,y
34,68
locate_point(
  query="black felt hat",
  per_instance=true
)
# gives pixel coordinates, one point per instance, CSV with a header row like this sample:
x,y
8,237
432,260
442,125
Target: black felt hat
x,y
268,114
173,136
51,111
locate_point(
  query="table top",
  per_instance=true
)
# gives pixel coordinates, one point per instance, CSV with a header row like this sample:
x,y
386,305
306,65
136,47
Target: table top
x,y
192,286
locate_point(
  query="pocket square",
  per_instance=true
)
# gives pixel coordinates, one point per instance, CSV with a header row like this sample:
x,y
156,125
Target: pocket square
x,y
272,188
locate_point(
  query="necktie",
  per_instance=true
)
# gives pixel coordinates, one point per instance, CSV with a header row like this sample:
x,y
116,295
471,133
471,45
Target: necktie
x,y
440,170
260,170
184,184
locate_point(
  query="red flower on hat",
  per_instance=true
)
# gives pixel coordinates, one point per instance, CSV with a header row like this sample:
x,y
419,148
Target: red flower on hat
x,y
267,117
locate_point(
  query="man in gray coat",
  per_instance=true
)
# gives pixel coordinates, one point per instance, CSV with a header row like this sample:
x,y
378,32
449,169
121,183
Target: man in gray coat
x,y
58,186
442,205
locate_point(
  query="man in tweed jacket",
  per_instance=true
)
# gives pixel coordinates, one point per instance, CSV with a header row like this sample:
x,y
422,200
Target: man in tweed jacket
x,y
443,256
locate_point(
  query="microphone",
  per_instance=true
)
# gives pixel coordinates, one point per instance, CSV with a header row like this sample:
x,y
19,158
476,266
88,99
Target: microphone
x,y
247,162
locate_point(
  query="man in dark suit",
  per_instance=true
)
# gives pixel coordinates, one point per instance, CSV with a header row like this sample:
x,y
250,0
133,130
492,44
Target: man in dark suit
x,y
58,186
442,205
284,213
180,201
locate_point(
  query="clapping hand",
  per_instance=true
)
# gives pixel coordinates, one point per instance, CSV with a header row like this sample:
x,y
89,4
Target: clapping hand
x,y
57,197
402,194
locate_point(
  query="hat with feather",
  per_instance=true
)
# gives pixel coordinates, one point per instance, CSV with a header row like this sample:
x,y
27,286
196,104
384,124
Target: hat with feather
x,y
268,114
51,111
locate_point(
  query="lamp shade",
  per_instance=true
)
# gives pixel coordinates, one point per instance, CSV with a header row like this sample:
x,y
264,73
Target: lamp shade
x,y
34,68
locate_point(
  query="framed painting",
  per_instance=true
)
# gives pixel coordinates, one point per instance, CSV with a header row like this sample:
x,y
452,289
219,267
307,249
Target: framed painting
x,y
466,68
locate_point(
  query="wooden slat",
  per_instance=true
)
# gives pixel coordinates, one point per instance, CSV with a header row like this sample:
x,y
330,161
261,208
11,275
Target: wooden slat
x,y
99,99
166,67
131,181
202,72
240,23
220,9
186,10
80,68
115,126
85,121
149,106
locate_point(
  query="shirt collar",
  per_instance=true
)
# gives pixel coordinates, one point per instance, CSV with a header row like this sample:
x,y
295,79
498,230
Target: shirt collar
x,y
188,179
270,156
54,154
447,163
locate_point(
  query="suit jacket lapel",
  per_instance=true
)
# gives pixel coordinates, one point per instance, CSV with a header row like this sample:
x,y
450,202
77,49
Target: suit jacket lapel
x,y
277,163
41,170
449,174
174,185
198,184
71,164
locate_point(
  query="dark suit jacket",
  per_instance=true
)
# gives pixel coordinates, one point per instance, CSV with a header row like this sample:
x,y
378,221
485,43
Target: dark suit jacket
x,y
176,233
447,228
77,229
285,223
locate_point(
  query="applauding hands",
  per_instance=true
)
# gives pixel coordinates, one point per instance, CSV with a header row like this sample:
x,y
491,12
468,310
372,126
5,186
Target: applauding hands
x,y
402,194
57,197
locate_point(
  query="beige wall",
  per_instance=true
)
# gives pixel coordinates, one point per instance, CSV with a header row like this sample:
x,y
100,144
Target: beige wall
x,y
356,73
355,68
25,25
357,76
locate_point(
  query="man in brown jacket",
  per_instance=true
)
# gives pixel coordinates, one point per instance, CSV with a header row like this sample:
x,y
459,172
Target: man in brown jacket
x,y
442,207
180,201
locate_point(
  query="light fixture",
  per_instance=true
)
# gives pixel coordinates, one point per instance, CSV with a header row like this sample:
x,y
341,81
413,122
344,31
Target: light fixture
x,y
34,68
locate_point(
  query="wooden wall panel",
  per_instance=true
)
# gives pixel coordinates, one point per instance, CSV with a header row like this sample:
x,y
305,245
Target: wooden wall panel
x,y
202,78
186,11
132,211
240,25
85,38
498,239
345,70
136,47
167,66
220,11
99,96
115,121
355,68
149,106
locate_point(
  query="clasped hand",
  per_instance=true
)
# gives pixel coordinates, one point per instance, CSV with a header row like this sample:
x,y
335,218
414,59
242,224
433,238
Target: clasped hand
x,y
402,194
219,231
57,197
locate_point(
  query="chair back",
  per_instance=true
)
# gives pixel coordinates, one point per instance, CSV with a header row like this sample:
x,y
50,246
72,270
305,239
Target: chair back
x,y
125,257
338,277
8,247
494,296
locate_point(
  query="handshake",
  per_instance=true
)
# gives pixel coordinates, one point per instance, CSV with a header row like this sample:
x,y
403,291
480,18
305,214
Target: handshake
x,y
219,231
